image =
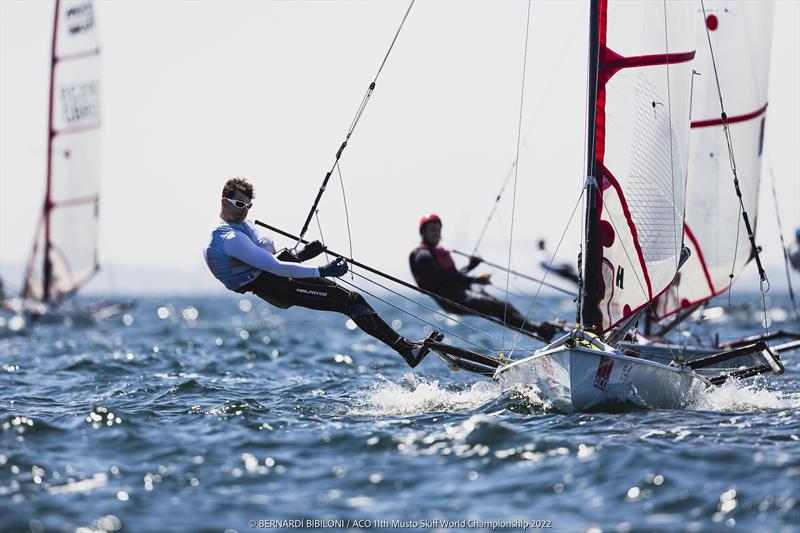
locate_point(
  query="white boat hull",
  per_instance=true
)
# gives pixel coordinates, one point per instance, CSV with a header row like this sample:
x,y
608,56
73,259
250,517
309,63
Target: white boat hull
x,y
585,379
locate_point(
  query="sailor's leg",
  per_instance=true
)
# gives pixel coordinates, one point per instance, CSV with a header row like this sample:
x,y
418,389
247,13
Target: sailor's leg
x,y
455,304
324,295
489,305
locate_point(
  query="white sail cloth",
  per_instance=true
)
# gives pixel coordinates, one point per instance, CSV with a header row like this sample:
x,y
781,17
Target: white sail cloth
x,y
69,229
642,148
741,37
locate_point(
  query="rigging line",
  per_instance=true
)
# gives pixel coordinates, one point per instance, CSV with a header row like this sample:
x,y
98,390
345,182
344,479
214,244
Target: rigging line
x,y
583,178
501,230
352,128
435,326
519,274
322,237
735,254
694,325
516,160
395,39
676,250
346,211
685,189
795,313
444,315
764,284
494,206
322,240
560,241
552,309
405,284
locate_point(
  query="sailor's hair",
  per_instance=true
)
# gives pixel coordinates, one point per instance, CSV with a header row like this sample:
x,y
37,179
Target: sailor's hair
x,y
238,184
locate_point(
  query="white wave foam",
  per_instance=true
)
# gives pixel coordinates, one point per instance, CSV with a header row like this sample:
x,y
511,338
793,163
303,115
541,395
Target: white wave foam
x,y
533,398
741,397
416,395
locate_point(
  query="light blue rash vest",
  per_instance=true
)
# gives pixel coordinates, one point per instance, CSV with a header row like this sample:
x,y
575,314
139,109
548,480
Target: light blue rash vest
x,y
233,273
236,255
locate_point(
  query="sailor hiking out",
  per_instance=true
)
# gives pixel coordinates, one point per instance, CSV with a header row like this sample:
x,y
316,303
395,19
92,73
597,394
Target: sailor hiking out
x,y
245,261
434,271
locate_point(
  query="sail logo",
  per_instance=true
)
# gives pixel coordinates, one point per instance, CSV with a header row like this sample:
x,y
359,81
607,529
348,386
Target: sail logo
x,y
603,372
80,18
80,102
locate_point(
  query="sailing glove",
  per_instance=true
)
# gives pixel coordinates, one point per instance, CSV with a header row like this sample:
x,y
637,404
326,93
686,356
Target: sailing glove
x,y
311,250
482,279
474,260
335,269
288,256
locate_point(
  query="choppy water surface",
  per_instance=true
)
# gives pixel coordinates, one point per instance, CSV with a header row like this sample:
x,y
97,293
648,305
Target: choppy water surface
x,y
202,414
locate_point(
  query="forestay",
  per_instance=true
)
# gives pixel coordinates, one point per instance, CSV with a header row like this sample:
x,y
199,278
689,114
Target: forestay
x,y
641,148
64,254
740,34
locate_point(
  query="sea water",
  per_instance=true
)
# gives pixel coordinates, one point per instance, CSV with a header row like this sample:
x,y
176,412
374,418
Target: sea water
x,y
224,414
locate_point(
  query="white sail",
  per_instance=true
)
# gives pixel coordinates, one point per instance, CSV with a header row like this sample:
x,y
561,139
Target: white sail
x,y
640,153
646,53
741,37
67,236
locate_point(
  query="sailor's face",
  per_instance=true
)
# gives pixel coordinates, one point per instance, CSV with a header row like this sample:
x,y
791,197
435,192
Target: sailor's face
x,y
230,212
432,233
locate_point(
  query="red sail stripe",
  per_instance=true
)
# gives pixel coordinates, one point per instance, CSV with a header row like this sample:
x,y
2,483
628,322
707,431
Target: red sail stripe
x,y
631,226
77,129
76,201
731,120
78,55
611,62
702,259
714,292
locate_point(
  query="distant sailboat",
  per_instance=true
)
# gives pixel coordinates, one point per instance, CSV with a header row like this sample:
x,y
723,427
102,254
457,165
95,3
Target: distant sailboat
x,y
741,37
64,255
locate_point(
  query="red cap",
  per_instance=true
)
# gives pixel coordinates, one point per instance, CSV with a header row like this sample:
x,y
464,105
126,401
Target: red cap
x,y
427,219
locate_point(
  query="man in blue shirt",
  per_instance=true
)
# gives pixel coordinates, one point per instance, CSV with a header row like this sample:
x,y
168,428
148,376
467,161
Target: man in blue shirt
x,y
246,262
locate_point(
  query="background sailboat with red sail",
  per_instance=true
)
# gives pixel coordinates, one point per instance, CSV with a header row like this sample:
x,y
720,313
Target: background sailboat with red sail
x,y
740,35
639,97
64,255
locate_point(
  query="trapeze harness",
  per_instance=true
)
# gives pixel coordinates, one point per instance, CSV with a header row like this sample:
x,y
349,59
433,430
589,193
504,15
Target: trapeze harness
x,y
434,270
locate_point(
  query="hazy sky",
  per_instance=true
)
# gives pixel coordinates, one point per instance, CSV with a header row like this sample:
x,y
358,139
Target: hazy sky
x,y
197,92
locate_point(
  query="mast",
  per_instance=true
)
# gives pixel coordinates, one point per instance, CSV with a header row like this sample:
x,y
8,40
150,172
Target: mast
x,y
591,317
51,133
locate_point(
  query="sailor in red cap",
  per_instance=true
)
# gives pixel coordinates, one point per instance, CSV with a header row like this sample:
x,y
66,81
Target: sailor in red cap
x,y
434,271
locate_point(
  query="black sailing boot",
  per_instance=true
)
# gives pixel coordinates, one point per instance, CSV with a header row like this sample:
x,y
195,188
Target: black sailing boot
x,y
415,351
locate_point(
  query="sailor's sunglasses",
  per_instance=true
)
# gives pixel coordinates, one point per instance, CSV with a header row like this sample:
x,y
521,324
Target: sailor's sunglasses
x,y
238,203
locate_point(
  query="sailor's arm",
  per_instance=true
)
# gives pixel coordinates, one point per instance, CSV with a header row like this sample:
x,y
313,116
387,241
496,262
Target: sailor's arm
x,y
262,240
244,249
474,260
429,268
423,265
